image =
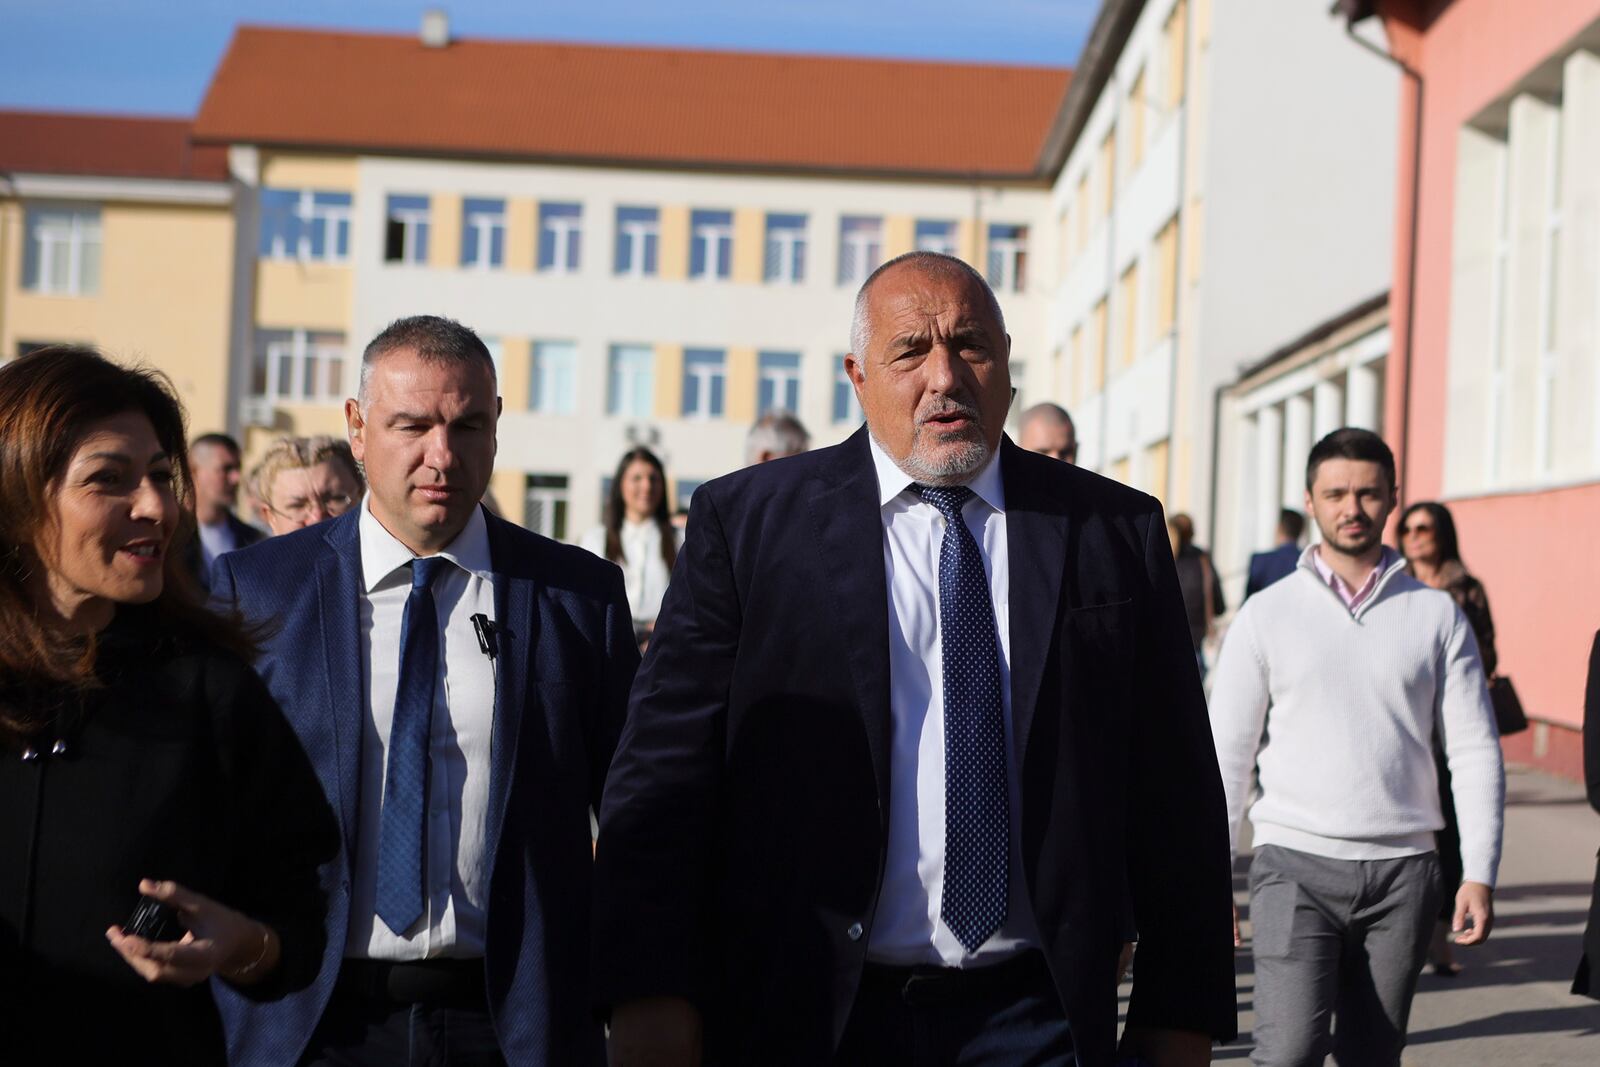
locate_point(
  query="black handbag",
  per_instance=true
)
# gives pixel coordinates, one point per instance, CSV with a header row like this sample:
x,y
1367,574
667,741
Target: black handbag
x,y
1508,713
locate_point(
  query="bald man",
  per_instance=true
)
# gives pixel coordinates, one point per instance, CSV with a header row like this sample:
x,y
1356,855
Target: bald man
x,y
1047,429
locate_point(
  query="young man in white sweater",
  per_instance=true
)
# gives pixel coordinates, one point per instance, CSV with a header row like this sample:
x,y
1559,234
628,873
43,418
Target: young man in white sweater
x,y
1330,688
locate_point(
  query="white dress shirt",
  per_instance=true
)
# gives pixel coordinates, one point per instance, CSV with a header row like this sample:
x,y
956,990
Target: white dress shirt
x,y
644,572
907,929
455,863
216,539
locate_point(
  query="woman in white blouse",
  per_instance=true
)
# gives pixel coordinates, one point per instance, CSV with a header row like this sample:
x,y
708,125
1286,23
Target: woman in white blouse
x,y
638,536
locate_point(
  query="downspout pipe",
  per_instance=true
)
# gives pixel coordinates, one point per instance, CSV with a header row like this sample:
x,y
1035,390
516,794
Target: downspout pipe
x,y
1403,431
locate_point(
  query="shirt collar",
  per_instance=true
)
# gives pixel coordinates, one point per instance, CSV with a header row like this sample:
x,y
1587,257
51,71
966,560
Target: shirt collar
x,y
1388,558
382,553
892,481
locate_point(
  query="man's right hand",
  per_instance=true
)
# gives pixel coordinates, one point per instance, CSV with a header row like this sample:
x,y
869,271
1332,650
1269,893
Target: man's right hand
x,y
654,1032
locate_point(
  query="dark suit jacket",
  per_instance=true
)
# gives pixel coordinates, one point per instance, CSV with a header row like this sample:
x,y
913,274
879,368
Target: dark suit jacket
x,y
745,821
1268,567
1588,980
566,659
244,535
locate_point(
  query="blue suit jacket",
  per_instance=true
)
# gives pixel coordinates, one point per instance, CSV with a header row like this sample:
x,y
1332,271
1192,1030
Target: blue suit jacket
x,y
565,662
1268,567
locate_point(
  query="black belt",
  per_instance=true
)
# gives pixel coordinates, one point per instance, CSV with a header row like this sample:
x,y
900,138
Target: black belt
x,y
942,985
453,983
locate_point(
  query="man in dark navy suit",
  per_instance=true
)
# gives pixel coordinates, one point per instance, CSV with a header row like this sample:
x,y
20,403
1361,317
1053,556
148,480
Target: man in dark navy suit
x,y
921,726
459,684
1280,562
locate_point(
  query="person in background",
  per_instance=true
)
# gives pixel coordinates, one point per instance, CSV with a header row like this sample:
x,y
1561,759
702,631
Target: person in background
x,y
214,458
639,536
460,682
303,480
1197,578
1331,686
140,756
1433,556
775,435
1048,429
1279,562
1586,982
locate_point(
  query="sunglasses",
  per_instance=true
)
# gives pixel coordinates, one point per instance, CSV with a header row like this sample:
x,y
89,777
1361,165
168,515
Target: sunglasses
x,y
1406,531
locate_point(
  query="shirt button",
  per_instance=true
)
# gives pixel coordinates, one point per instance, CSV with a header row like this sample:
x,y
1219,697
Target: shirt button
x,y
854,932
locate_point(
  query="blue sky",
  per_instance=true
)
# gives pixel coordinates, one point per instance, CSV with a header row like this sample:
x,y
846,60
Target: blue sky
x,y
147,57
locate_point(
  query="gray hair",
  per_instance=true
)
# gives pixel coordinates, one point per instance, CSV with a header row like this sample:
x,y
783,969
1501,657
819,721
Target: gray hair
x,y
934,264
434,338
777,432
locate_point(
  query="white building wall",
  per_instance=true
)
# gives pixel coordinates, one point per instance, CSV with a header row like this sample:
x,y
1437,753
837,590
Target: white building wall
x,y
1298,193
594,308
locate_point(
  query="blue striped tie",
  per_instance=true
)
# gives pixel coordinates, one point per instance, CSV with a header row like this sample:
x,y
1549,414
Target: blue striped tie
x,y
405,784
976,806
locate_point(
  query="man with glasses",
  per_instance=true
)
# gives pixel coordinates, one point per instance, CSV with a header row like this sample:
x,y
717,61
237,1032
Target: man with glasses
x,y
303,480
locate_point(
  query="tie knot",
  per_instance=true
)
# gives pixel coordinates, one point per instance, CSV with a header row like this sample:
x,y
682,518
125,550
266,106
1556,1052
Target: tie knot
x,y
424,569
949,499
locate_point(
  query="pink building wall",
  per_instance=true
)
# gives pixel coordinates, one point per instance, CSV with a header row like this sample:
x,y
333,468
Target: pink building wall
x,y
1537,553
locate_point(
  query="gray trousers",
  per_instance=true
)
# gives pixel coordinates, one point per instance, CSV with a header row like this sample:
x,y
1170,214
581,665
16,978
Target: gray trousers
x,y
1338,946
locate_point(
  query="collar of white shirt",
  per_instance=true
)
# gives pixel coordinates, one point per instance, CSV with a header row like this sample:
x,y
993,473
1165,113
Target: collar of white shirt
x,y
382,553
892,481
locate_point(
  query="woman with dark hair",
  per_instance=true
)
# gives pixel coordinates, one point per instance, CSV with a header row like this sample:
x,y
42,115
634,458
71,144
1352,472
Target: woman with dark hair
x,y
160,826
1433,557
638,535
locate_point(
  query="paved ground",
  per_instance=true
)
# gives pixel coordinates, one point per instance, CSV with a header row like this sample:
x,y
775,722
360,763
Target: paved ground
x,y
1510,1007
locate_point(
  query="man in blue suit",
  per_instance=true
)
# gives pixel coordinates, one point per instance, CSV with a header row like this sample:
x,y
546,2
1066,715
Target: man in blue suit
x,y
919,738
1280,562
459,684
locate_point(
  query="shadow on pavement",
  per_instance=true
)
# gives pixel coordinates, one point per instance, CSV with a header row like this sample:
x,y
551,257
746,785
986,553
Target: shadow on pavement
x,y
1578,1017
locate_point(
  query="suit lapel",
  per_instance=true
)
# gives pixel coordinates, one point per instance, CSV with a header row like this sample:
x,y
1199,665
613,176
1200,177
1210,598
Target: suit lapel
x,y
516,633
1036,550
849,536
338,576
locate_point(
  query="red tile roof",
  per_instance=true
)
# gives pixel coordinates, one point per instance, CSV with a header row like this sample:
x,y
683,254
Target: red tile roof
x,y
651,106
43,142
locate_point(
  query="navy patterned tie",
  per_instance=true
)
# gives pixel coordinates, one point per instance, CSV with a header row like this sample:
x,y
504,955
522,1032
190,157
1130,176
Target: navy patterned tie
x,y
405,782
976,822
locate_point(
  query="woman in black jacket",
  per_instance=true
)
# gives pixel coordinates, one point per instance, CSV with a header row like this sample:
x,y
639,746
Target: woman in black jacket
x,y
1433,556
142,762
1587,981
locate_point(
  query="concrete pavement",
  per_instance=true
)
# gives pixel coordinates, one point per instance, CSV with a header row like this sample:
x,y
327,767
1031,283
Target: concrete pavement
x,y
1510,1006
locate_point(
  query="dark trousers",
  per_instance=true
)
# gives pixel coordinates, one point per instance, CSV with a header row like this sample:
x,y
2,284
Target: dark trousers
x,y
430,1014
1006,1015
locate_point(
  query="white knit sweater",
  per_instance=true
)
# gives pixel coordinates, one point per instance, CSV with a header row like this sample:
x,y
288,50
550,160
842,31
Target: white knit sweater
x,y
1337,711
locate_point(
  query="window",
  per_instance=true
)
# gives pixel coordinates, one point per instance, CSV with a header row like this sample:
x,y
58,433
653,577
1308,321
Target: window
x,y
309,225
62,254
1107,167
638,241
860,247
846,408
1128,298
1174,35
705,372
560,237
544,505
1549,278
632,386
1080,209
786,249
779,386
483,233
1136,123
298,366
1008,257
405,235
936,235
1166,309
1078,370
555,378
710,244
1097,348
685,491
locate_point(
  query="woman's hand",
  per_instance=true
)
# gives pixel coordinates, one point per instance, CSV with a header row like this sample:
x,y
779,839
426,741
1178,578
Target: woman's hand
x,y
219,941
